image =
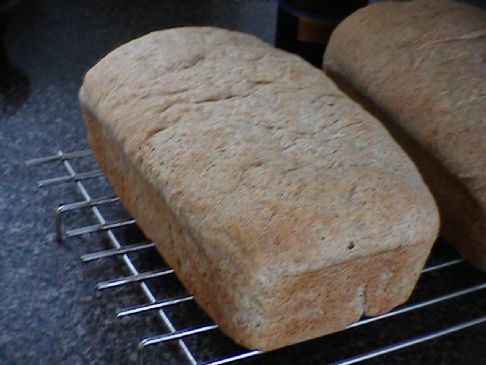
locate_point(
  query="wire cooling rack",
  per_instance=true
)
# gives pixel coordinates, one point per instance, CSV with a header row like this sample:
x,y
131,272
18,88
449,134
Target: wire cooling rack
x,y
183,336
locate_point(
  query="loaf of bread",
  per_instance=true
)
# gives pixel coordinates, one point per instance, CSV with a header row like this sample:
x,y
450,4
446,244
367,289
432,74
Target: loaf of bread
x,y
284,208
423,65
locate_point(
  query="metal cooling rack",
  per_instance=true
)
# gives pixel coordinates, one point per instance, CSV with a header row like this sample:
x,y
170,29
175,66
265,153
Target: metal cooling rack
x,y
179,336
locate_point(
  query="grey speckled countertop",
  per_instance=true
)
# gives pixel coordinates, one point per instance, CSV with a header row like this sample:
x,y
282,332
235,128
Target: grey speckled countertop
x,y
50,311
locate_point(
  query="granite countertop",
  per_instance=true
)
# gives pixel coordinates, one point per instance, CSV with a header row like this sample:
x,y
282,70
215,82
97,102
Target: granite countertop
x,y
50,310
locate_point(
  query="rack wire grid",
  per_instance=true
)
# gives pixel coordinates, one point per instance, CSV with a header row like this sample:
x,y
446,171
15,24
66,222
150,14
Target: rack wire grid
x,y
170,333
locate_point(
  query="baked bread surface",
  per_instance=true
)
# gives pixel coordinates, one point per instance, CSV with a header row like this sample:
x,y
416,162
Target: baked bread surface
x,y
285,208
423,64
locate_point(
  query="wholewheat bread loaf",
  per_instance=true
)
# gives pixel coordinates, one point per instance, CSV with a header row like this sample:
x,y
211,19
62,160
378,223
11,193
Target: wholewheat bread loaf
x,y
423,65
284,208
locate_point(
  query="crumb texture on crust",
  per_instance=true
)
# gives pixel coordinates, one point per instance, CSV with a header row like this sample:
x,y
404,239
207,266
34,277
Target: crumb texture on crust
x,y
260,182
423,64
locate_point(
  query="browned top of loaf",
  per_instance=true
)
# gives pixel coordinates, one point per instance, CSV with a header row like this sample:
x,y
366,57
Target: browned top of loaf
x,y
424,63
257,153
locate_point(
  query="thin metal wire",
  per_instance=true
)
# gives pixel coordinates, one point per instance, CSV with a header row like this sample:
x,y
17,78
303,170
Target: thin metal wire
x,y
57,157
158,305
117,251
98,227
149,307
411,342
234,358
442,266
84,204
70,178
176,335
133,278
77,205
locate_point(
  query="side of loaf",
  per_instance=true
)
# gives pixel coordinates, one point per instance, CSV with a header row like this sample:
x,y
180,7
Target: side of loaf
x,y
423,65
284,208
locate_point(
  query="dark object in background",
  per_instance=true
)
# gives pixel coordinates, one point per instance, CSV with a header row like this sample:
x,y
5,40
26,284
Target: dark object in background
x,y
5,6
14,85
304,26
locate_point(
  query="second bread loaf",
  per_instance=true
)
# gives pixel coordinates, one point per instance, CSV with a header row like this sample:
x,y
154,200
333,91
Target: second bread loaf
x,y
423,64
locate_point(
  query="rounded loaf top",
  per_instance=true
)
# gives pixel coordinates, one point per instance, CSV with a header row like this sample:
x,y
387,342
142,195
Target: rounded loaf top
x,y
258,153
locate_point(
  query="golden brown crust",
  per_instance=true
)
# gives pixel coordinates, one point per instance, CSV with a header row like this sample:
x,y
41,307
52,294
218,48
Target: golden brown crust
x,y
298,308
284,208
422,64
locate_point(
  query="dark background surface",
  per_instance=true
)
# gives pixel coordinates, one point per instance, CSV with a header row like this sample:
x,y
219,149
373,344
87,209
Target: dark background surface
x,y
50,311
